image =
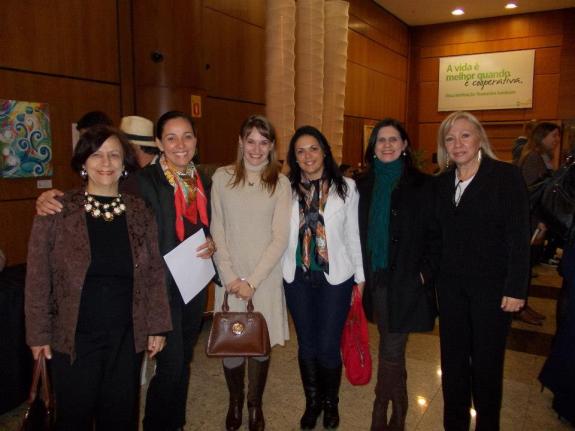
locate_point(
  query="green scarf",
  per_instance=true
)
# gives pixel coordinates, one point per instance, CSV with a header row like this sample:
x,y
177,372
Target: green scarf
x,y
386,178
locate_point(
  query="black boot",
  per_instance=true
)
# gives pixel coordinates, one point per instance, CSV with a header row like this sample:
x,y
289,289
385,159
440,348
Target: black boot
x,y
257,377
235,380
330,379
309,377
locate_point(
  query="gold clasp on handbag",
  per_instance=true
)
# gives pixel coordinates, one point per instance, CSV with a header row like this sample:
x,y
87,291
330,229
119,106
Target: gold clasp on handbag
x,y
238,328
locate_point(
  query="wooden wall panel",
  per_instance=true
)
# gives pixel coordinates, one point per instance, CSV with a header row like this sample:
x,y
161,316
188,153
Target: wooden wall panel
x,y
222,122
16,219
372,21
427,143
372,55
353,133
566,108
372,95
250,11
64,37
172,28
235,58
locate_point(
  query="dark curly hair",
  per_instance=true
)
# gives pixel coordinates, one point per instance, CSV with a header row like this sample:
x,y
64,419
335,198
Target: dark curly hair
x,y
330,169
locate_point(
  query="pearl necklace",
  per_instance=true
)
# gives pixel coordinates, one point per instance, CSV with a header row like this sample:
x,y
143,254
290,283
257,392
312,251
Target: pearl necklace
x,y
107,211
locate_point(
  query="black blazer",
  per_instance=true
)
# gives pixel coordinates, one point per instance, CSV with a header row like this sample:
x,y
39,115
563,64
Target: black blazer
x,y
151,184
485,240
413,249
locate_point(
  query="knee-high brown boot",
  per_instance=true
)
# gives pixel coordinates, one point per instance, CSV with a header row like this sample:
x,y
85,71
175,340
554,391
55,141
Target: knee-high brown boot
x,y
390,387
399,400
381,402
235,380
257,377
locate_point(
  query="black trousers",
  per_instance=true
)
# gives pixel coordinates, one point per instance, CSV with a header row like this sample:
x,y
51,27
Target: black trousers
x,y
473,333
101,386
391,344
168,389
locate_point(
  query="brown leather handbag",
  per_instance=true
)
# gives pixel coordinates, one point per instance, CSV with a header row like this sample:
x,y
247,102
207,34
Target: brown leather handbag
x,y
40,413
238,333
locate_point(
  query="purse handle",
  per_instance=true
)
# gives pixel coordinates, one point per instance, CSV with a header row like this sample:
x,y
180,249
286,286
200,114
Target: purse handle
x,y
40,376
226,307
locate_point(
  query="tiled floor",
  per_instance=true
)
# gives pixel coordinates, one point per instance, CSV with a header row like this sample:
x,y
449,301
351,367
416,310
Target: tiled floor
x,y
525,407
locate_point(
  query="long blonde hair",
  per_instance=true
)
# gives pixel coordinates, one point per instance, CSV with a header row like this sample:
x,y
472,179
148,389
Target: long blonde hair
x,y
270,174
442,157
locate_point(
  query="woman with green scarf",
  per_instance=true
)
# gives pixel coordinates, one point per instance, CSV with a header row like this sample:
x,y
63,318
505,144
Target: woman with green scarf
x,y
400,244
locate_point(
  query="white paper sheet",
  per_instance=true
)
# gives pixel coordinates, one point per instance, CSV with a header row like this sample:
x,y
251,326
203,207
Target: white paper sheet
x,y
190,272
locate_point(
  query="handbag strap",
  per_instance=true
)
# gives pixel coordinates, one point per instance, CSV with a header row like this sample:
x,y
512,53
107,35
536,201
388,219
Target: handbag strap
x,y
40,378
226,307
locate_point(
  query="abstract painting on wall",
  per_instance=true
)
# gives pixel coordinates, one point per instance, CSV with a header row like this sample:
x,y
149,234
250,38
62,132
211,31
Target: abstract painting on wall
x,y
25,139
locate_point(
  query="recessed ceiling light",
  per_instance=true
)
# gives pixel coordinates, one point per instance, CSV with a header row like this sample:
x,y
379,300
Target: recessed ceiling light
x,y
457,12
510,5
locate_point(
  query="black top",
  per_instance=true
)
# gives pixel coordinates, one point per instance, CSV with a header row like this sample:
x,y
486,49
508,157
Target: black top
x,y
106,302
485,239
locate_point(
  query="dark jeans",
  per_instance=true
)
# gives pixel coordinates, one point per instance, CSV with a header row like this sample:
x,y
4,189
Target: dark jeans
x,y
168,390
473,332
319,311
101,386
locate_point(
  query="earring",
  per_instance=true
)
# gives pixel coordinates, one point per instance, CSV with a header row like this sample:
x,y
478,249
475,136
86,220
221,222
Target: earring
x,y
479,156
124,173
404,154
447,163
84,173
374,156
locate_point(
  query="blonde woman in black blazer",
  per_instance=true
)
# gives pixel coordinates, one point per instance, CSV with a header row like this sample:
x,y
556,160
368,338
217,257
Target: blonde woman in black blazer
x,y
483,210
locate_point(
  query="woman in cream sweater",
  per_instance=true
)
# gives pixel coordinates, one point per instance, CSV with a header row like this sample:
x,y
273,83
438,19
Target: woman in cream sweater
x,y
250,224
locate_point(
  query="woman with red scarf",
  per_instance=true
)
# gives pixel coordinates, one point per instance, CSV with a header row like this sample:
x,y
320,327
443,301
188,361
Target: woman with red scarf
x,y
178,194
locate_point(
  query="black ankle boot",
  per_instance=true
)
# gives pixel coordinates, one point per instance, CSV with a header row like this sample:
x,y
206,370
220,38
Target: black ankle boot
x,y
235,380
330,380
257,377
310,380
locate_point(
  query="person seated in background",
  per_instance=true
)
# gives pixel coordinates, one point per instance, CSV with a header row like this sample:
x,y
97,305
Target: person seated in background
x,y
93,118
140,133
95,295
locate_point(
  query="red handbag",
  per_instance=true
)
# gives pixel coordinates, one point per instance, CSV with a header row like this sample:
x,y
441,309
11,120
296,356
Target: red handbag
x,y
355,343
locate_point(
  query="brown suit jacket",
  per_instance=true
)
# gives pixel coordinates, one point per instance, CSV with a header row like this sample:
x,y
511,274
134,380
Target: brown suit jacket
x,y
58,260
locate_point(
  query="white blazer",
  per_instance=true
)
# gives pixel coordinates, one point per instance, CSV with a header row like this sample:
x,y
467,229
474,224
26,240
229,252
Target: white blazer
x,y
342,234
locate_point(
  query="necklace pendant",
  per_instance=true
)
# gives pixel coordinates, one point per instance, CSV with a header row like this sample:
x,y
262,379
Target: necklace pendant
x,y
250,184
107,211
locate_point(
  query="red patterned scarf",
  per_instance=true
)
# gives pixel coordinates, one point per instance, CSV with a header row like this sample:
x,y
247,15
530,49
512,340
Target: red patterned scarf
x,y
189,196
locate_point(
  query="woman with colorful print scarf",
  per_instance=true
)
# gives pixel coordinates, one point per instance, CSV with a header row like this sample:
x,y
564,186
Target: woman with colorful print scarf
x,y
320,266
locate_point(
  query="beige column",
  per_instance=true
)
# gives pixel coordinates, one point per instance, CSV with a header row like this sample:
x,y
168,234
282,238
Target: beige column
x,y
309,63
280,70
335,68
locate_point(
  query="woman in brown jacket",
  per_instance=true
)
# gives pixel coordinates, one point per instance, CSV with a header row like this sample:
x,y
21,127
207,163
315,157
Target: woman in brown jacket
x,y
95,290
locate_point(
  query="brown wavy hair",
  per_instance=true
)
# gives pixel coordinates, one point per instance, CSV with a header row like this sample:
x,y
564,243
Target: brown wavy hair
x,y
270,174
